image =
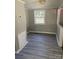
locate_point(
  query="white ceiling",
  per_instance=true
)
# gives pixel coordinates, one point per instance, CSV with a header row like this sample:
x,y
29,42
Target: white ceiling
x,y
49,4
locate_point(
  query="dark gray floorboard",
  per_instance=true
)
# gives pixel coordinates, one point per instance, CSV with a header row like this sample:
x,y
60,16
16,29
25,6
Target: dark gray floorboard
x,y
40,46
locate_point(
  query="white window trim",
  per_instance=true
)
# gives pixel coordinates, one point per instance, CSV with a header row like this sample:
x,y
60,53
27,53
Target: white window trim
x,y
40,21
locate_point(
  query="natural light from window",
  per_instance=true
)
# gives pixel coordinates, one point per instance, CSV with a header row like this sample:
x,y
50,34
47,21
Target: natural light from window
x,y
39,16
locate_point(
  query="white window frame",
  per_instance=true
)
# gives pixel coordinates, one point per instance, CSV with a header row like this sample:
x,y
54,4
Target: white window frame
x,y
40,17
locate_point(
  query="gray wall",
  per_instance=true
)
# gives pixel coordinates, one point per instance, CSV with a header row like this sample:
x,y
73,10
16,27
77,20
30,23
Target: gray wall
x,y
50,21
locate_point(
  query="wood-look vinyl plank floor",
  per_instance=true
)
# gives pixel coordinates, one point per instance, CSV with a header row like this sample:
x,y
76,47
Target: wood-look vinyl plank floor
x,y
40,46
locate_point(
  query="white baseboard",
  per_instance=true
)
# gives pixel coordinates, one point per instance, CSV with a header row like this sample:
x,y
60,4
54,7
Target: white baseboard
x,y
43,32
18,51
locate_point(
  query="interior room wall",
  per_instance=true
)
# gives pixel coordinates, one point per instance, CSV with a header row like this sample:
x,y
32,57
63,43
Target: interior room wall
x,y
50,21
59,33
27,20
20,25
60,3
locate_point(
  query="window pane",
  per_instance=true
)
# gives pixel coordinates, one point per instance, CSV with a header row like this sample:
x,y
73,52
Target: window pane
x,y
39,13
39,16
39,21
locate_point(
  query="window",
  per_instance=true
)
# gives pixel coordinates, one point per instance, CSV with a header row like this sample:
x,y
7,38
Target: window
x,y
39,16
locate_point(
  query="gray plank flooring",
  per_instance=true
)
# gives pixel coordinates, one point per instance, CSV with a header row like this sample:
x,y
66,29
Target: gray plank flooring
x,y
40,46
